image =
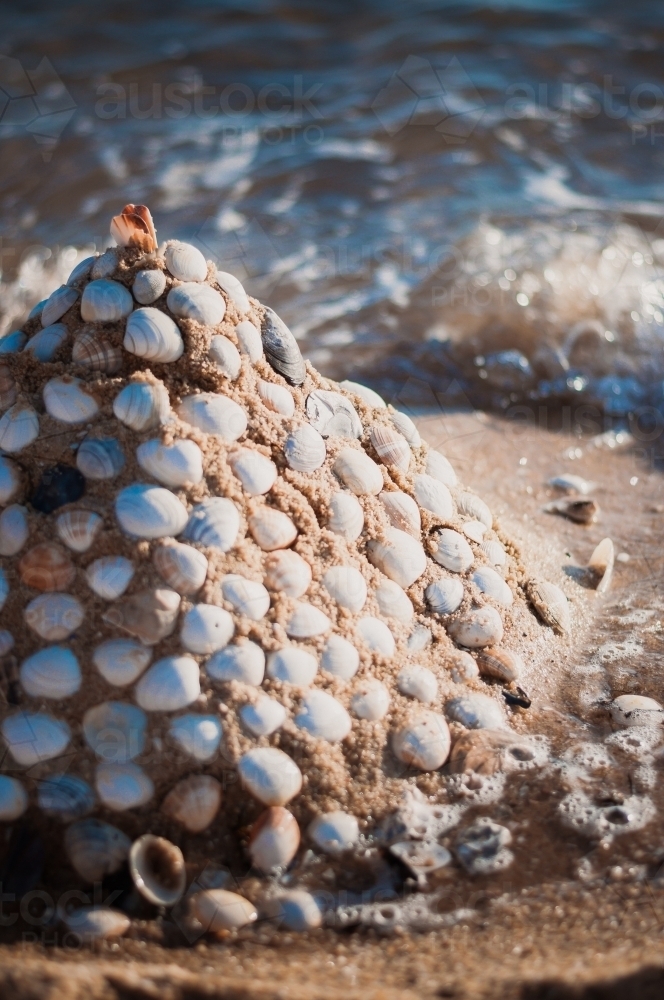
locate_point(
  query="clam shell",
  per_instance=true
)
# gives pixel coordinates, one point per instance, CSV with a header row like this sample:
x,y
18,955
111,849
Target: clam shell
x,y
197,735
146,511
294,910
183,567
305,449
54,616
476,711
358,472
400,557
149,615
332,414
158,870
246,596
122,786
171,464
367,395
501,664
234,289
65,797
92,923
482,627
13,799
12,343
371,700
115,731
274,839
169,685
391,447
377,636
153,335
51,673
444,596
96,353
402,511
194,802
198,302
82,270
292,666
434,496
142,405
346,586
257,473
276,397
218,910
600,564
439,467
105,264
225,355
472,506
418,682
67,400
550,604
96,849
346,516
46,344
581,510
323,717
7,388
340,658
475,530
423,741
186,263
334,832
281,349
263,717
33,737
271,529
110,576
214,523
420,638
214,413
287,573
105,301
393,602
405,426
13,529
463,667
452,551
121,661
270,775
636,710
149,286
47,567
249,340
10,480
206,628
307,622
492,585
494,551
19,427
78,529
244,662
100,458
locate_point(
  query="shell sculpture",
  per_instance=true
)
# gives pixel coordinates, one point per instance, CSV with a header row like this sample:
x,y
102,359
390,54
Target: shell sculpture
x,y
234,594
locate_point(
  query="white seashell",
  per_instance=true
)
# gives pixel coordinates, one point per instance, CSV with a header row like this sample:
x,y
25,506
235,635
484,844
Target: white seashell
x,y
214,413
295,910
636,710
287,573
4,588
19,427
434,496
272,529
550,603
105,301
368,396
6,642
281,348
569,483
257,473
33,737
218,910
452,551
439,467
183,567
96,849
264,717
423,742
490,583
12,343
121,661
243,662
54,616
420,638
340,658
206,628
292,666
249,340
472,506
100,458
13,799
171,464
476,711
270,775
214,523
110,576
96,354
323,717
158,870
402,511
600,565
332,415
276,397
57,304
494,551
67,400
234,289
346,586
482,627
115,731
82,270
225,355
197,735
51,673
334,832
358,472
501,664
45,344
274,839
146,511
194,802
377,636
246,596
307,622
418,682
169,685
400,557
153,335
13,529
464,668
391,447
405,426
78,529
94,923
474,530
305,449
149,286
122,786
371,700
393,602
185,262
444,596
198,302
105,264
149,615
142,405
346,516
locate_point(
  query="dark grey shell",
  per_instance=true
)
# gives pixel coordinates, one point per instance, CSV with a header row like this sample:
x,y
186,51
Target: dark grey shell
x,y
281,348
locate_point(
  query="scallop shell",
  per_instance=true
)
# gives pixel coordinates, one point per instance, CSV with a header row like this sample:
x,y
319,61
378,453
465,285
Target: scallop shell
x,y
110,576
105,301
96,849
249,341
92,923
434,496
500,664
169,685
225,355
115,731
346,516
46,344
146,511
142,405
183,567
346,586
452,551
418,682
149,615
391,447
358,472
96,354
194,802
51,673
287,573
281,349
423,741
600,565
78,529
276,397
402,511
550,604
197,735
257,473
367,395
153,335
171,464
82,270
332,414
334,832
492,585
340,658
272,529
12,343
214,523
400,557
198,302
121,661
19,427
158,870
323,717
439,467
66,399
292,666
214,413
206,628
371,700
54,616
305,449
14,529
7,388
134,228
307,622
47,567
218,910
185,262
100,458
482,627
274,839
444,596
33,737
13,799
393,602
234,289
123,786
243,662
270,775
472,506
377,636
263,717
149,286
246,596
